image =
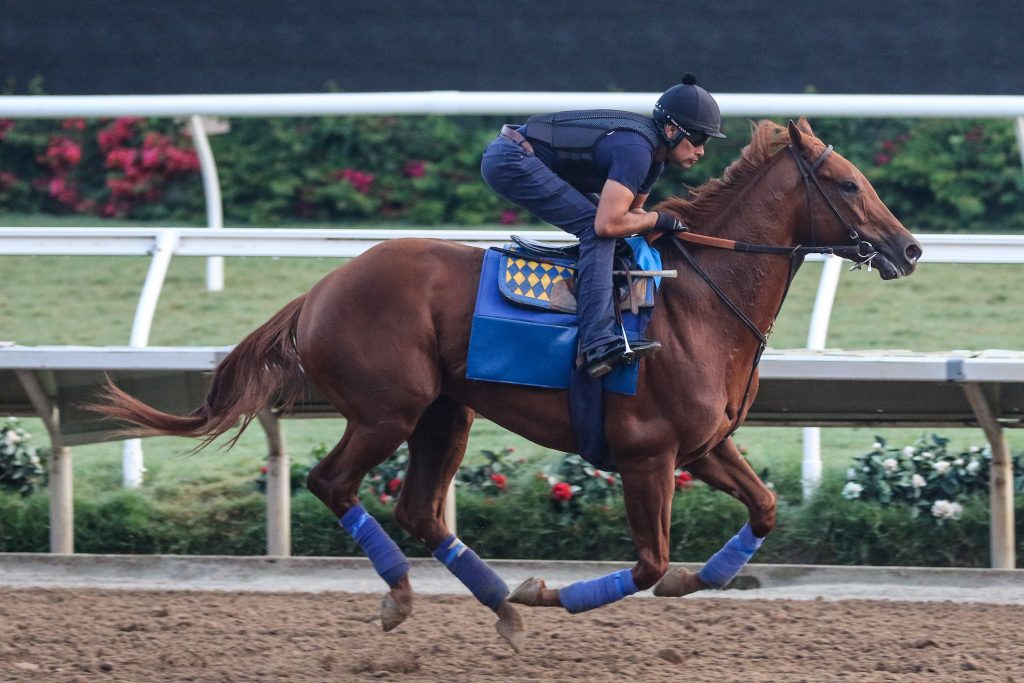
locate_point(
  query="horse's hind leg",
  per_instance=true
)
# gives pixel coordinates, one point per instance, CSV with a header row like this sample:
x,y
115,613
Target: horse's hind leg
x,y
436,448
727,470
336,479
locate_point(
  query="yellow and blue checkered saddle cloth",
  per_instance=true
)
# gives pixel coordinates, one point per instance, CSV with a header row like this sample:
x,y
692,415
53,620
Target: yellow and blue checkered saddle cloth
x,y
549,283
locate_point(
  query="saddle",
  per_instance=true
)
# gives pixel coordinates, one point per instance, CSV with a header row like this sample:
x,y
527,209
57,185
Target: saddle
x,y
544,276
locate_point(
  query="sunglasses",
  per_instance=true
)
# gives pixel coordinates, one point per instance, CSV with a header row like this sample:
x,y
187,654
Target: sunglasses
x,y
695,139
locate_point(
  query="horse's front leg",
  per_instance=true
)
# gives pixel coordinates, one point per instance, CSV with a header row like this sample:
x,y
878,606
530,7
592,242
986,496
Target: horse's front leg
x,y
648,486
727,470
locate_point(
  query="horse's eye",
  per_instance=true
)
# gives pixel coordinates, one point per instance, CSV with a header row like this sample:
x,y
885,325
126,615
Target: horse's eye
x,y
848,186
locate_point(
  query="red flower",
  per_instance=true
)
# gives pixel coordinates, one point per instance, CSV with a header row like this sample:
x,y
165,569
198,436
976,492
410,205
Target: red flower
x,y
414,168
120,157
5,125
361,181
500,480
118,133
882,159
151,157
62,153
684,480
561,492
7,179
394,485
181,160
73,124
63,192
508,217
264,469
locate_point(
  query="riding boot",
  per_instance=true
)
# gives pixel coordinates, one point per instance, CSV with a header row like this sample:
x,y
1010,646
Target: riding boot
x,y
601,360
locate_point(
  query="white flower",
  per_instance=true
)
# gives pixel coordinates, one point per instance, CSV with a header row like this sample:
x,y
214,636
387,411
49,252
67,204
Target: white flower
x,y
926,454
975,449
942,467
851,473
917,481
908,451
890,464
973,466
878,445
943,509
852,490
959,462
11,437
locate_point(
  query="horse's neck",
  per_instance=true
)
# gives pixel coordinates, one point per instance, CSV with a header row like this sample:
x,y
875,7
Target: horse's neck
x,y
756,283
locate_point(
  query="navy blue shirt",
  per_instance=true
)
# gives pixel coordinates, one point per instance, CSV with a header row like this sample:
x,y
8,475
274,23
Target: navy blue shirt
x,y
623,156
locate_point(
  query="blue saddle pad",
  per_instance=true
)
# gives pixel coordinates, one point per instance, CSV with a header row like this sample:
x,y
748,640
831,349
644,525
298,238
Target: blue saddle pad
x,y
522,344
519,343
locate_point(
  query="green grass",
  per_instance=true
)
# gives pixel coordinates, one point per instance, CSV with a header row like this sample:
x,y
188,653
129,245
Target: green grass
x,y
91,301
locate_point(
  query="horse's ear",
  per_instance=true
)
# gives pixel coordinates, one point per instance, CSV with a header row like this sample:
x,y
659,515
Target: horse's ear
x,y
796,137
804,126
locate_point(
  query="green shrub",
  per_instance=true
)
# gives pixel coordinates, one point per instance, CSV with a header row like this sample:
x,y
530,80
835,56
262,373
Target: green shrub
x,y
22,465
924,476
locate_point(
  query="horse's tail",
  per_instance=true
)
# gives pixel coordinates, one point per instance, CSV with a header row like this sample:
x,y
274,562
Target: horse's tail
x,y
264,367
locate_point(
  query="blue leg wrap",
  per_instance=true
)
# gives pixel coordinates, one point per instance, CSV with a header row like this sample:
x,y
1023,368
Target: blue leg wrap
x,y
485,585
383,552
584,595
727,562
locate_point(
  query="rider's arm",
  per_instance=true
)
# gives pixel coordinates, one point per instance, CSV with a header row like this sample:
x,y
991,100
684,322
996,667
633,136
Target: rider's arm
x,y
615,215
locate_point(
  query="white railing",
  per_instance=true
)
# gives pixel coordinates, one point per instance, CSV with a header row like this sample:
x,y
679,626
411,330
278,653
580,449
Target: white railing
x,y
456,103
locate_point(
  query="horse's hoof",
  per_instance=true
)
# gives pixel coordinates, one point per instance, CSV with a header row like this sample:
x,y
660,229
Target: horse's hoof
x,y
528,593
677,583
392,613
510,627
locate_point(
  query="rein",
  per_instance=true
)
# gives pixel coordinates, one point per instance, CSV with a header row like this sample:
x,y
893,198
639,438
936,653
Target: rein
x,y
861,252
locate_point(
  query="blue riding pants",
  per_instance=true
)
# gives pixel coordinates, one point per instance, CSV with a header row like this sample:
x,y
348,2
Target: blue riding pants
x,y
525,181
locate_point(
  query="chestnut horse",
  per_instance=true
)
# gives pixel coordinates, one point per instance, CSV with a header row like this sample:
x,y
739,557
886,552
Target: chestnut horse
x,y
384,339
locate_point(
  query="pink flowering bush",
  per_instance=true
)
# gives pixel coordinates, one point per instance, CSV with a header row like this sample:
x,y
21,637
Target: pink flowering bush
x,y
126,168
935,174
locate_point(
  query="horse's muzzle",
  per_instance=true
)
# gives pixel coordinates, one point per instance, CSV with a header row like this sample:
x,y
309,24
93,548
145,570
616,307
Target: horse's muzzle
x,y
897,262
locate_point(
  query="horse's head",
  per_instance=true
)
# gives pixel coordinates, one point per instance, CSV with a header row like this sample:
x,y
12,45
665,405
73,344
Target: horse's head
x,y
844,209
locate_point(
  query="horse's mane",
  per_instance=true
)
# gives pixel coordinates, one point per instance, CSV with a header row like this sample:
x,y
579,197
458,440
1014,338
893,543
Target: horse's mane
x,y
708,201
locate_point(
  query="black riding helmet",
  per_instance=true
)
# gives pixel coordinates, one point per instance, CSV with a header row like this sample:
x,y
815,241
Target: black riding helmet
x,y
691,108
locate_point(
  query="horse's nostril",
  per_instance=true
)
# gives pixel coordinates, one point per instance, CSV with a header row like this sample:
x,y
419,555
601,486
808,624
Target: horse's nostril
x,y
913,252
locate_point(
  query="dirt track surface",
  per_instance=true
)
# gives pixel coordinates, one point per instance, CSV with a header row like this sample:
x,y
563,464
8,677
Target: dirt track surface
x,y
144,636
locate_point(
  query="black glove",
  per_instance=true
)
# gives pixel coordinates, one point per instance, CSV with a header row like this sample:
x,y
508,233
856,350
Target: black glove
x,y
669,223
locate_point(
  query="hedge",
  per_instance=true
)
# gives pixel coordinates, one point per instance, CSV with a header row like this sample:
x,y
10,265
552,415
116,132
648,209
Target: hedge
x,y
935,174
521,524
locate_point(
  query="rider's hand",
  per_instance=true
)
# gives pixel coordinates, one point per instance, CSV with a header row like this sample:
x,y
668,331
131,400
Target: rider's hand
x,y
669,223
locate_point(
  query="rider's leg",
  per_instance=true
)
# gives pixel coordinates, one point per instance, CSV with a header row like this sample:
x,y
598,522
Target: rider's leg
x,y
526,181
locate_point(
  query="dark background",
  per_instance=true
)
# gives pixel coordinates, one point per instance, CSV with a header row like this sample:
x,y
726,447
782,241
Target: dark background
x,y
204,46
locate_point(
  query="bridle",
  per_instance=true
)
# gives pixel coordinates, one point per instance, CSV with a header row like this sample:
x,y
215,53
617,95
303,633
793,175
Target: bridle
x,y
861,252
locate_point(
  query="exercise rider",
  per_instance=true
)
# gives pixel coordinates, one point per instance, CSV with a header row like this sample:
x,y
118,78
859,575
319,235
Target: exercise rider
x,y
549,165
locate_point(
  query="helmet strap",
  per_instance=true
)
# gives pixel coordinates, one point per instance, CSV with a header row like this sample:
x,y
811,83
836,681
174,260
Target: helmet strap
x,y
673,142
